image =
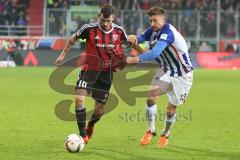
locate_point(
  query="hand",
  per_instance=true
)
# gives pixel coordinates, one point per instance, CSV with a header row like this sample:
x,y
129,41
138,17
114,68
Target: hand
x,y
132,39
59,59
118,63
132,60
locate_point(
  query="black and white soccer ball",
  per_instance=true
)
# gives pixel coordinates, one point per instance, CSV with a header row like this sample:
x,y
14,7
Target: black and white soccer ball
x,y
74,143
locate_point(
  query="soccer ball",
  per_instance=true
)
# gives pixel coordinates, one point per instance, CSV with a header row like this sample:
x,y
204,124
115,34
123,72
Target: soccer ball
x,y
74,143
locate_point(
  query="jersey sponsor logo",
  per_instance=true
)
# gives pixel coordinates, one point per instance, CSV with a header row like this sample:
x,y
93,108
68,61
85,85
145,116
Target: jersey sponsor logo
x,y
105,45
164,36
152,44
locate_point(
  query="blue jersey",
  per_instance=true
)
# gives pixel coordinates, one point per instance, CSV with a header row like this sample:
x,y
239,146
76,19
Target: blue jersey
x,y
174,58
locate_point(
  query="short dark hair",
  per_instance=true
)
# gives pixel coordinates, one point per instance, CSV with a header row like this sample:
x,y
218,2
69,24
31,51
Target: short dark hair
x,y
107,10
156,11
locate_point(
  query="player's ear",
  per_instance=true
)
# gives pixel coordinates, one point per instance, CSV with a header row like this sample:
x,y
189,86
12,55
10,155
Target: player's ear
x,y
113,17
163,17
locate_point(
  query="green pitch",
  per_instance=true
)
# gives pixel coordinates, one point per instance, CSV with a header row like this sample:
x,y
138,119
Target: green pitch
x,y
207,126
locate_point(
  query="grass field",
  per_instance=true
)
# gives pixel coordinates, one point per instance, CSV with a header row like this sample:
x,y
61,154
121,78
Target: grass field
x,y
207,129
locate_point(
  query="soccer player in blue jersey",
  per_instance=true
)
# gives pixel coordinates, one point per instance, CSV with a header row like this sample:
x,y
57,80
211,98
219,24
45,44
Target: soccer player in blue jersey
x,y
174,76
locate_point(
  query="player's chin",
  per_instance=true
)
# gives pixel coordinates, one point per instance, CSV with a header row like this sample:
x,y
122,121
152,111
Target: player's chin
x,y
155,29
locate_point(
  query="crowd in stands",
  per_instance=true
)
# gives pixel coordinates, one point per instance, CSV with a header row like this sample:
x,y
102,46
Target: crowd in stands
x,y
189,16
185,9
64,4
13,13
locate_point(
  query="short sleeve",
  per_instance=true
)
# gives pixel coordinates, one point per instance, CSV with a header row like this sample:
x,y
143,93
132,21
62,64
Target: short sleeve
x,y
124,36
82,32
167,36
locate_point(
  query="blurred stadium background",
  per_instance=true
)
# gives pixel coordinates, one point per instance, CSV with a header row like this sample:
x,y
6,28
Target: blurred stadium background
x,y
33,33
211,26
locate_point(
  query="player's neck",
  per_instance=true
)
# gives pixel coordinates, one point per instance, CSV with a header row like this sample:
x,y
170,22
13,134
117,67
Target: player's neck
x,y
106,31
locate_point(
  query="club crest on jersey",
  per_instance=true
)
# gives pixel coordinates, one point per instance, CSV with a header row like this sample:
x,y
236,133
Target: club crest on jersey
x,y
115,37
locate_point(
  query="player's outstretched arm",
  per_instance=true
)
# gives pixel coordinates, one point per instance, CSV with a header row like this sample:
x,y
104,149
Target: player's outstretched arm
x,y
149,55
66,49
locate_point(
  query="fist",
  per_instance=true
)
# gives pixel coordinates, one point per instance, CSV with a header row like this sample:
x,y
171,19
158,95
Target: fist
x,y
132,39
118,63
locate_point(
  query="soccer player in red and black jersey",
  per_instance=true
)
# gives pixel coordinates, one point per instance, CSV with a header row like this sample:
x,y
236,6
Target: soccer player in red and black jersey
x,y
104,55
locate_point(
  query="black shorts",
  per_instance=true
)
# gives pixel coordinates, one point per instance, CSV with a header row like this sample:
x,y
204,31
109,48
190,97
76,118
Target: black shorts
x,y
96,82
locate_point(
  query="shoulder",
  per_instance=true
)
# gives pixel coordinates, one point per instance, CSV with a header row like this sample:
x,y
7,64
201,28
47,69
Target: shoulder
x,y
119,27
89,25
167,29
85,27
122,31
146,34
148,31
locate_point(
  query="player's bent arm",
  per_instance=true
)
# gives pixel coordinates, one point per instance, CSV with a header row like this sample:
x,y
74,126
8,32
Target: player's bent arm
x,y
149,55
66,49
153,53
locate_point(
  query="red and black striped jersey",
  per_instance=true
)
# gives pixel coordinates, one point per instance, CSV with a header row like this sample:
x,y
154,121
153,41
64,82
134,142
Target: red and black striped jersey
x,y
101,46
